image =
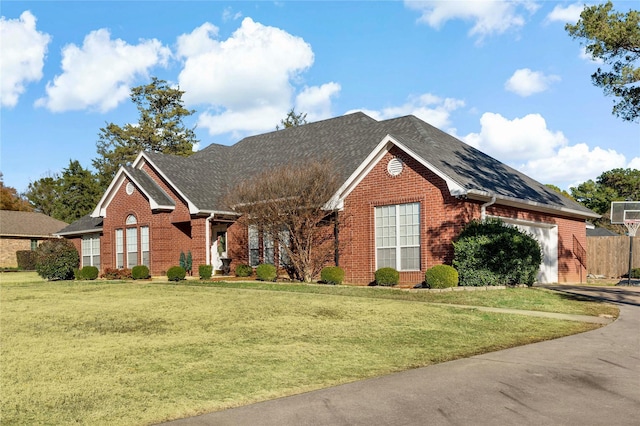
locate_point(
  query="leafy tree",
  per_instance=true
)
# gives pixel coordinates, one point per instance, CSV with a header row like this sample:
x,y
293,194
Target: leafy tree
x,y
79,193
614,38
292,120
11,200
558,190
160,128
44,194
612,185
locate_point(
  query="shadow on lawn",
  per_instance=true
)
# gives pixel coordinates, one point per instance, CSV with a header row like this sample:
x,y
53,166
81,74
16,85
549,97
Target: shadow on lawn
x,y
627,296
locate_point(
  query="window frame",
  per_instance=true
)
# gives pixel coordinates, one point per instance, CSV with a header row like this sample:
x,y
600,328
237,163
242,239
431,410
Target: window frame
x,y
90,248
400,236
119,248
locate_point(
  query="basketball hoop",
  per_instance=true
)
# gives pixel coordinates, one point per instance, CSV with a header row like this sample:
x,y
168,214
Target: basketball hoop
x,y
632,226
628,213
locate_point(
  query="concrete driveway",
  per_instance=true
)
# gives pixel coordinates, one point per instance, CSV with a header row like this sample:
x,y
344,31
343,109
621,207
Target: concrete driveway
x,y
591,378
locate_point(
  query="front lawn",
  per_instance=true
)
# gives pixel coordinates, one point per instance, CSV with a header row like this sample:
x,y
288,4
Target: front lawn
x,y
139,353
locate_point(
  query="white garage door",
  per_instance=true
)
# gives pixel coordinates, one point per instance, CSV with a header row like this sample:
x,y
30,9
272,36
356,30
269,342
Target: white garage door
x,y
547,236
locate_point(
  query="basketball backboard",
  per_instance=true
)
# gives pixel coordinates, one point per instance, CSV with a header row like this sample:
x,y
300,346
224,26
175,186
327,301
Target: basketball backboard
x,y
622,211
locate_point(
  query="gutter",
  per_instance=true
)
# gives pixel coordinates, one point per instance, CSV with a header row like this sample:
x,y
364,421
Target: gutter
x,y
483,208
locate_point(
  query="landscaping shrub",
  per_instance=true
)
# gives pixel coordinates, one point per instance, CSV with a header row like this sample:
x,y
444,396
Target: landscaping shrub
x,y
56,259
176,273
332,275
243,270
266,272
441,276
89,273
117,274
205,271
26,260
635,273
387,277
490,252
140,272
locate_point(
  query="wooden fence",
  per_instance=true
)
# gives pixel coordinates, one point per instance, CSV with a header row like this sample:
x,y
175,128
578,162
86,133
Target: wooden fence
x,y
609,256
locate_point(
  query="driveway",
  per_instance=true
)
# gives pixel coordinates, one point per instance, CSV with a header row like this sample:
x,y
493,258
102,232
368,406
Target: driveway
x,y
591,378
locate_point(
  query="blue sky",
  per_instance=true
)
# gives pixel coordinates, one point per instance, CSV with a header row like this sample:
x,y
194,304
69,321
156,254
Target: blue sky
x,y
503,76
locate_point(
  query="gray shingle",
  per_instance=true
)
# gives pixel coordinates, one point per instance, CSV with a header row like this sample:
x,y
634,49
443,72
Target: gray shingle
x,y
150,186
84,225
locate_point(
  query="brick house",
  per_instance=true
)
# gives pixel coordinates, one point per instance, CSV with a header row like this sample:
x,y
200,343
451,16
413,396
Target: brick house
x,y
408,189
24,231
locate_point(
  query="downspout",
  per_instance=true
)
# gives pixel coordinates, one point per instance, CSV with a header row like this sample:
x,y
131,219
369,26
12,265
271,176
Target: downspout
x,y
208,237
483,208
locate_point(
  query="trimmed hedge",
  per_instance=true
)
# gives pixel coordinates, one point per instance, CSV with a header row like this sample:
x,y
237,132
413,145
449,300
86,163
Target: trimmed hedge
x,y
117,274
56,259
26,260
243,270
332,275
266,272
387,277
176,273
140,272
89,273
441,276
205,271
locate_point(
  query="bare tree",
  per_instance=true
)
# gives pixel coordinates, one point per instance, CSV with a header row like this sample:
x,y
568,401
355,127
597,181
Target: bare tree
x,y
291,205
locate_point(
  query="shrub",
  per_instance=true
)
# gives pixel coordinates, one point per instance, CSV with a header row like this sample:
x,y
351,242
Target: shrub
x,y
332,275
205,271
140,272
89,273
635,273
441,276
26,260
117,274
56,259
490,252
266,272
243,270
387,276
176,273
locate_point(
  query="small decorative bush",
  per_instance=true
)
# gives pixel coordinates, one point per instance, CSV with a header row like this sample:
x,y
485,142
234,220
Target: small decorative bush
x,y
441,276
635,273
332,275
117,274
266,272
89,273
56,259
205,271
26,260
176,273
387,277
140,272
243,270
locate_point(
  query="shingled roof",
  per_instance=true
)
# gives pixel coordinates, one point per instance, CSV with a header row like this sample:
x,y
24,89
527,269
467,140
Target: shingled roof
x,y
347,142
85,225
28,224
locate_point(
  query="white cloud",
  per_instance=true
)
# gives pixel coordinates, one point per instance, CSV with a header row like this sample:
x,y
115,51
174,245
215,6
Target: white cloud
x,y
569,14
427,107
588,57
489,16
228,14
315,101
99,74
525,82
520,139
248,80
21,57
634,163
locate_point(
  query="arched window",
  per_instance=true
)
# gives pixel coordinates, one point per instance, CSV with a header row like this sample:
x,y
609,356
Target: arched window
x,y
131,220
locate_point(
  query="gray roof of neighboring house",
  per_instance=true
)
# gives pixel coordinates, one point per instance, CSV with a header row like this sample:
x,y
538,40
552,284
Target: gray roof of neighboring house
x,y
84,225
346,142
150,187
28,224
601,232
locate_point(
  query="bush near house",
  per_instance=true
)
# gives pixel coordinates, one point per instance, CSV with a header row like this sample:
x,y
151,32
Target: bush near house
x,y
387,277
88,273
26,260
56,259
441,276
266,272
332,275
635,273
490,252
205,271
243,270
117,274
176,273
140,272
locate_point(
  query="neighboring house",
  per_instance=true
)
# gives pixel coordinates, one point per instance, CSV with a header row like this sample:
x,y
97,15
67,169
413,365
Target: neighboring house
x,y
24,231
407,190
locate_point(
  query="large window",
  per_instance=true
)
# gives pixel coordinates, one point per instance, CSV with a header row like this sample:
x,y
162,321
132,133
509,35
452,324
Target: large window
x,y
119,249
254,246
398,237
268,249
285,240
144,245
262,247
132,247
91,250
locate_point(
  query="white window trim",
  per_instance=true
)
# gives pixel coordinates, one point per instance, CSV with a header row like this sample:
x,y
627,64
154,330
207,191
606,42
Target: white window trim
x,y
120,247
398,248
90,240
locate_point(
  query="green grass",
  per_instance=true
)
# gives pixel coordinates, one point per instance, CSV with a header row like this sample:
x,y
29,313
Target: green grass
x,y
139,353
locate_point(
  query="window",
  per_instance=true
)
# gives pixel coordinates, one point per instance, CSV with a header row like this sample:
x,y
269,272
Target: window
x,y
254,246
285,240
34,245
268,248
91,250
398,237
132,247
131,220
119,249
144,244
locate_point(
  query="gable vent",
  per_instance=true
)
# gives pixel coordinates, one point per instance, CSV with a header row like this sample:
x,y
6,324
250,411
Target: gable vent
x,y
395,166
